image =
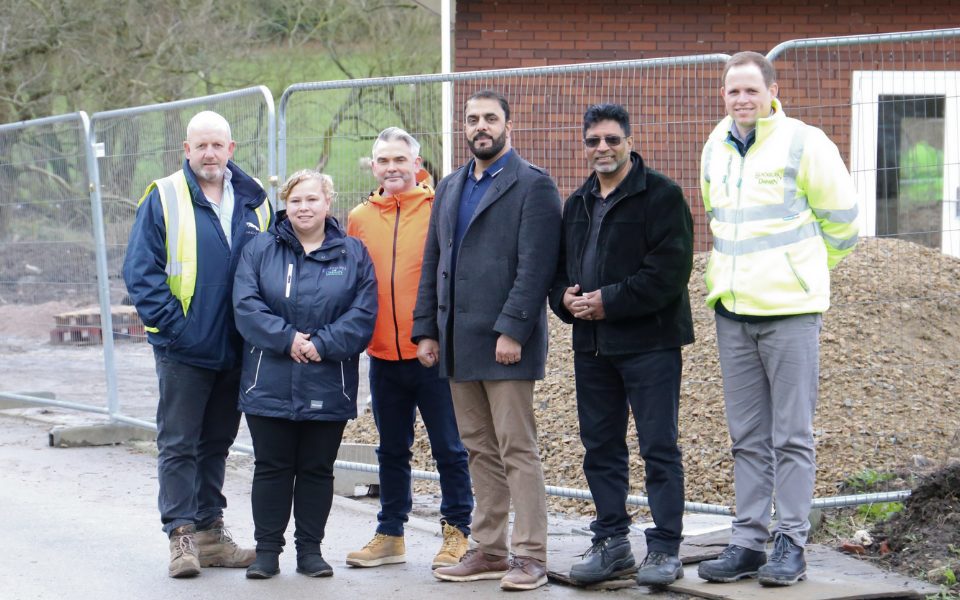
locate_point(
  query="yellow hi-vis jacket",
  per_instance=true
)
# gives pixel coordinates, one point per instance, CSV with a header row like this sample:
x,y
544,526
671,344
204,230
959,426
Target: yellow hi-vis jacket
x,y
181,240
782,216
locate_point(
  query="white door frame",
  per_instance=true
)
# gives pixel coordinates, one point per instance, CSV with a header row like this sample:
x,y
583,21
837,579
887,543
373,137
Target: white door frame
x,y
868,86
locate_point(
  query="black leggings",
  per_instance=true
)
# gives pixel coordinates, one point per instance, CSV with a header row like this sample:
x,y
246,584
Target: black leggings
x,y
294,465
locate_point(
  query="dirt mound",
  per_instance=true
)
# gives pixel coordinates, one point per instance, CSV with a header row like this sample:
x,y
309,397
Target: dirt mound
x,y
924,537
33,272
888,381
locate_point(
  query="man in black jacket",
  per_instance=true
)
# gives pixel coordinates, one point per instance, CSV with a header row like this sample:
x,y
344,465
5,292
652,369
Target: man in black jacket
x,y
625,260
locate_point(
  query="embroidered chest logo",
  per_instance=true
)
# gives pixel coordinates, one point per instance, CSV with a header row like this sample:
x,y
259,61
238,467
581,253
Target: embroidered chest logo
x,y
335,271
251,228
769,178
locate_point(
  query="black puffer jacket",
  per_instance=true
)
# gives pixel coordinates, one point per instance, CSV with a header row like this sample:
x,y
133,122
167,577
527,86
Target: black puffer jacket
x,y
644,259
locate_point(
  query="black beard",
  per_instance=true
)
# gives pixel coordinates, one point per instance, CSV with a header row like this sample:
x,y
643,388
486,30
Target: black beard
x,y
492,151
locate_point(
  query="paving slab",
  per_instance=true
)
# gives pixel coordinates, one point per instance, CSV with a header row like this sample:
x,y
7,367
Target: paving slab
x,y
819,585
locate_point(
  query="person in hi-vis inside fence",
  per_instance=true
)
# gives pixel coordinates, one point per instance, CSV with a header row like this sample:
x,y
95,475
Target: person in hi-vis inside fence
x,y
783,212
179,268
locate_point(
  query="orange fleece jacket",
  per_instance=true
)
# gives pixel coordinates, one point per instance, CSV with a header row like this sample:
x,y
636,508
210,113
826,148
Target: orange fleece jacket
x,y
394,230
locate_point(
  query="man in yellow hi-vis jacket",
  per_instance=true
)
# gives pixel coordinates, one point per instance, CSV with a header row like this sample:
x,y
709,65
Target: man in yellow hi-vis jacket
x,y
179,269
783,212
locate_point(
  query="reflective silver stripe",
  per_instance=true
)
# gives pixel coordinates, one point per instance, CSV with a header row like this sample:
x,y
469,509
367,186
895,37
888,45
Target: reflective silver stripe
x,y
840,243
792,205
766,242
848,215
792,168
761,213
707,152
174,266
263,211
709,215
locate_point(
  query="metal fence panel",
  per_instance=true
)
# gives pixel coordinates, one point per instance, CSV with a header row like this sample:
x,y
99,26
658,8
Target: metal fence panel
x,y
673,105
49,262
142,144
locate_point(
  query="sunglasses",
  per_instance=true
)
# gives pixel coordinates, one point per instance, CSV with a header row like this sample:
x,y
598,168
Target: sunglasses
x,y
612,141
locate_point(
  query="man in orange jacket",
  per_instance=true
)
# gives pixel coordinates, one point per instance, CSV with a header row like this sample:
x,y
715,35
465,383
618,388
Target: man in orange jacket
x,y
393,224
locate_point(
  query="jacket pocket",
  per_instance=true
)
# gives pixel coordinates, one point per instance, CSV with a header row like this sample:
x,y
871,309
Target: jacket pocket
x,y
796,274
250,375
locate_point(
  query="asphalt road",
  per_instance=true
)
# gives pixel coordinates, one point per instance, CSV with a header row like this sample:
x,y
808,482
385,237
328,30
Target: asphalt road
x,y
82,523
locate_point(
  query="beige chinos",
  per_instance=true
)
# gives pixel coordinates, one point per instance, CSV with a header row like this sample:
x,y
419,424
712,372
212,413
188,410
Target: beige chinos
x,y
499,429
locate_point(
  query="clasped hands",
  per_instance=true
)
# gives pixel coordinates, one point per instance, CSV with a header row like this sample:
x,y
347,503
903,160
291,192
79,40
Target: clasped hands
x,y
588,307
302,349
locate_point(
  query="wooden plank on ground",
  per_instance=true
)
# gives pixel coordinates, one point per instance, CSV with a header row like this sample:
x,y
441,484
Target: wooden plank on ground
x,y
819,585
565,551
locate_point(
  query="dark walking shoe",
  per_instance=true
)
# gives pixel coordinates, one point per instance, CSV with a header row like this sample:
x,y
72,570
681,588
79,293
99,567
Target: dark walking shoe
x,y
786,566
659,568
313,565
603,559
264,566
733,564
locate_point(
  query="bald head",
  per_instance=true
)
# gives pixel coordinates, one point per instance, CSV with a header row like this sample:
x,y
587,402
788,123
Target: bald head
x,y
208,146
208,121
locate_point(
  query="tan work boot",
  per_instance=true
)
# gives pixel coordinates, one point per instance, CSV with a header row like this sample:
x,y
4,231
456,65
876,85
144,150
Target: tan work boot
x,y
454,546
381,550
474,566
183,552
216,548
525,573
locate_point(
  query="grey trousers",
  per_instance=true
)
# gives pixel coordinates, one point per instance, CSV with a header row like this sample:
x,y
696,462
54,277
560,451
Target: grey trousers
x,y
770,377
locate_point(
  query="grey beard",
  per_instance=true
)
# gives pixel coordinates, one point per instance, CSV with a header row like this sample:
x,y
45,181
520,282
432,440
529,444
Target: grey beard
x,y
611,168
201,175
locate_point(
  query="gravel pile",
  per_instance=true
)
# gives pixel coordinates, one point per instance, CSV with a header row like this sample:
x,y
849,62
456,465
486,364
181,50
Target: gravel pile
x,y
888,391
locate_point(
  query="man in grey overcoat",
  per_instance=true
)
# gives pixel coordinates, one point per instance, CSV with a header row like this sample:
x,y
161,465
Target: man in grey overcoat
x,y
491,249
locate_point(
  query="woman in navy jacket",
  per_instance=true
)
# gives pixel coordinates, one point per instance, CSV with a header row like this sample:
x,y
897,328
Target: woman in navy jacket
x,y
305,300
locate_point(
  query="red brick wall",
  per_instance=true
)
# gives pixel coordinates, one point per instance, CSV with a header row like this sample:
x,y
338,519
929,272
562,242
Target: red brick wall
x,y
676,108
524,33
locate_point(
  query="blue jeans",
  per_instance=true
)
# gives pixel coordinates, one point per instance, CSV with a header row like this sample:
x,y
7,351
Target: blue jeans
x,y
398,388
197,422
649,384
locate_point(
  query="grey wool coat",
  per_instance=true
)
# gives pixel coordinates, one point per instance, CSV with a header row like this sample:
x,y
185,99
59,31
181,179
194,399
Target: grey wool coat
x,y
505,266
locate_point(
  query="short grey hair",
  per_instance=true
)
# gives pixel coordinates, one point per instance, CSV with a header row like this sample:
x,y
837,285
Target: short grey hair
x,y
391,134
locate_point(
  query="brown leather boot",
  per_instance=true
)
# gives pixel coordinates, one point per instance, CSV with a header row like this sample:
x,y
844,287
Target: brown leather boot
x,y
525,573
474,566
216,548
183,552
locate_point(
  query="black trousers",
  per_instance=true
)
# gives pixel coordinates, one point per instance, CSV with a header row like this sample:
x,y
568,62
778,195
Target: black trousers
x,y
197,421
649,384
294,466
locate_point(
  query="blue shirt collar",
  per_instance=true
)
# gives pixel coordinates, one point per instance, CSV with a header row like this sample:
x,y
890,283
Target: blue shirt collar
x,y
494,169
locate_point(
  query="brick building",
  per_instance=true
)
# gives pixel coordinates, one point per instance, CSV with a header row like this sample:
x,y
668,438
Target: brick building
x,y
501,34
873,100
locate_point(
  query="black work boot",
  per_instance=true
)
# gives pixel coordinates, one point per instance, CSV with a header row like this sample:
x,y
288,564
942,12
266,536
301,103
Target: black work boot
x,y
660,568
786,565
264,566
603,559
733,564
313,565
